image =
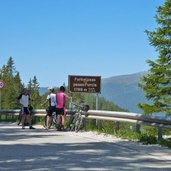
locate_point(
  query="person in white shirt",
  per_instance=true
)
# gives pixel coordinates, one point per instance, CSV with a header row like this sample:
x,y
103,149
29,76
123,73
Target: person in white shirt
x,y
51,100
25,112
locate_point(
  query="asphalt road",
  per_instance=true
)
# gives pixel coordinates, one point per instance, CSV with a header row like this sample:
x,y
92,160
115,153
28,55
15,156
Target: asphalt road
x,y
42,150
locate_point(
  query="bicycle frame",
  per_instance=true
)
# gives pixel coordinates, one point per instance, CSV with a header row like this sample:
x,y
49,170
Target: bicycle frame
x,y
53,120
77,121
20,115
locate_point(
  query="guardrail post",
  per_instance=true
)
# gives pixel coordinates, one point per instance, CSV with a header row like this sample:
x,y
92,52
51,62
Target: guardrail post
x,y
98,124
12,116
137,127
6,116
116,126
160,133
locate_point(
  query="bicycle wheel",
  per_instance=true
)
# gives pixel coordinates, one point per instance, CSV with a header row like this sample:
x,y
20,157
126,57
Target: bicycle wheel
x,y
78,123
72,126
55,120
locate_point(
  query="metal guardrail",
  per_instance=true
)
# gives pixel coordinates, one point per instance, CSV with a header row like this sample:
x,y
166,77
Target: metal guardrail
x,y
128,116
136,118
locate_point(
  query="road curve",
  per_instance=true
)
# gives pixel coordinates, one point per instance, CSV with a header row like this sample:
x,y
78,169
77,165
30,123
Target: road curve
x,y
42,150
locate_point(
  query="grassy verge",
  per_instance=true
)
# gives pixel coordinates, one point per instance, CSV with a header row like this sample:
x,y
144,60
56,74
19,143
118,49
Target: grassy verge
x,y
145,134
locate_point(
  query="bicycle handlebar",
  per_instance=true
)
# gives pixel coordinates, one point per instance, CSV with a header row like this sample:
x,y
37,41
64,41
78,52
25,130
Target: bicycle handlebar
x,y
82,107
71,112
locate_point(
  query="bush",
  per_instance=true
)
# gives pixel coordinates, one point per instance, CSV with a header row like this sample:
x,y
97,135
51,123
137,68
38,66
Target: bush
x,y
148,139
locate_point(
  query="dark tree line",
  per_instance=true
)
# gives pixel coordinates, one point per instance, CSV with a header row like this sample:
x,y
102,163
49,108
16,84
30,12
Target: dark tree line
x,y
13,86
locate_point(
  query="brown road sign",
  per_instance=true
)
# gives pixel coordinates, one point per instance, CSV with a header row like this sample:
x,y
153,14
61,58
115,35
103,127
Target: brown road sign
x,y
86,84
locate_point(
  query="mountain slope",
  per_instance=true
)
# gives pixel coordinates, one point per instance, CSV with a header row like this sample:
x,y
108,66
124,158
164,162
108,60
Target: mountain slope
x,y
43,90
124,91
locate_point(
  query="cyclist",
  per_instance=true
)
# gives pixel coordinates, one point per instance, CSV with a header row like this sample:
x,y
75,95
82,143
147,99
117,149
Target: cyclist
x,y
51,99
23,100
61,97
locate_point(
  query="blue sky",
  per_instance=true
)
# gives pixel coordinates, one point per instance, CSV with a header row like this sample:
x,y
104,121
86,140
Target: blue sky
x,y
51,39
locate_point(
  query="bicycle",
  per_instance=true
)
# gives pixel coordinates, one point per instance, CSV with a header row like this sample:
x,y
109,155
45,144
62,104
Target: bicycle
x,y
53,121
20,115
77,121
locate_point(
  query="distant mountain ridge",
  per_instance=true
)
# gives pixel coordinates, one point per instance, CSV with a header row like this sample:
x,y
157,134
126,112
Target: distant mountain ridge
x,y
128,79
123,90
43,90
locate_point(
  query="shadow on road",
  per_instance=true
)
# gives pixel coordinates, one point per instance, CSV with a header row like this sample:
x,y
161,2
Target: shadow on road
x,y
42,150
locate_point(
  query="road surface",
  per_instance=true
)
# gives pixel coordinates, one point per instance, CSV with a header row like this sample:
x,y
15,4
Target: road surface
x,y
42,150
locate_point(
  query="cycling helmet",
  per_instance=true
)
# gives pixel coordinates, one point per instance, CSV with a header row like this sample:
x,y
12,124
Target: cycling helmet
x,y
51,88
62,88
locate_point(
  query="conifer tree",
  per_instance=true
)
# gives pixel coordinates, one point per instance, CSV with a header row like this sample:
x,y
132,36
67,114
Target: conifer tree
x,y
33,86
12,81
157,83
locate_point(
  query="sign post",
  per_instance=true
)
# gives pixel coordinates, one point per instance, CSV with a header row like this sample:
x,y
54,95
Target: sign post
x,y
1,86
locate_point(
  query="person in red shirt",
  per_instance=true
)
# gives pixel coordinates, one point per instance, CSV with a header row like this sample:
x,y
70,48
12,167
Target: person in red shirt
x,y
61,98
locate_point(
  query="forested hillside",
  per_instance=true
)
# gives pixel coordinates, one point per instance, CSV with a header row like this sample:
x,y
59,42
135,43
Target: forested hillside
x,y
124,91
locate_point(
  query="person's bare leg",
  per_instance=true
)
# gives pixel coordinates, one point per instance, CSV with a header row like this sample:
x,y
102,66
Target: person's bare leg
x,y
23,120
48,121
28,117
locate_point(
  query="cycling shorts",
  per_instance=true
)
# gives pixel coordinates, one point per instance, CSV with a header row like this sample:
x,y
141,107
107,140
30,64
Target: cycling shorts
x,y
50,110
25,111
60,111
